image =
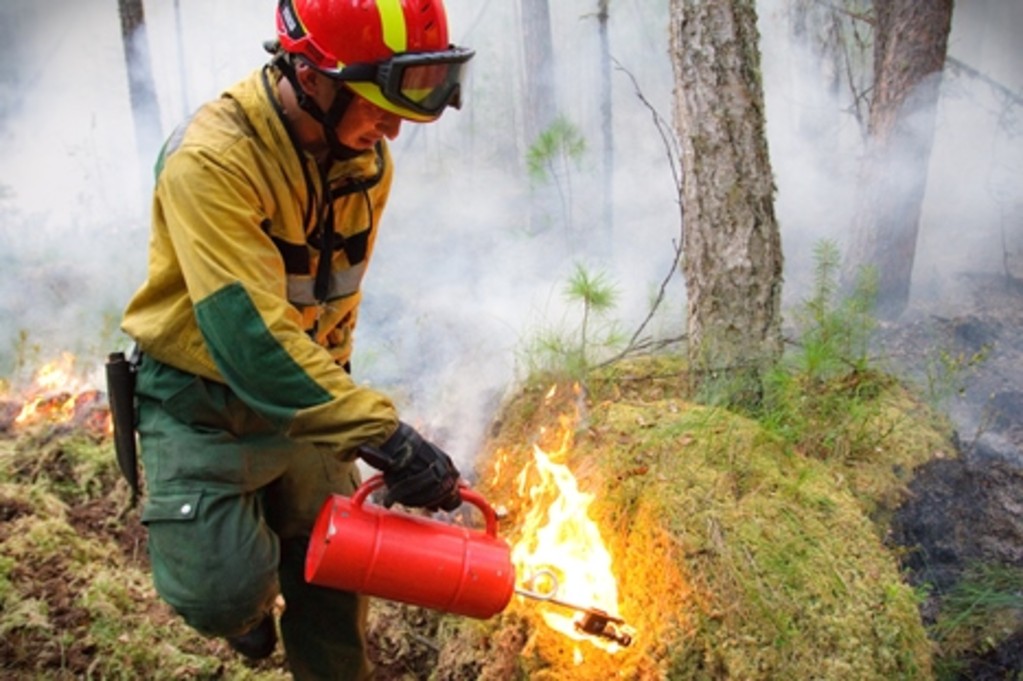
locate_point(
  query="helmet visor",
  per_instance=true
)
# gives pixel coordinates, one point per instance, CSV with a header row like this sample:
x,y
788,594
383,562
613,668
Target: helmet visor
x,y
423,82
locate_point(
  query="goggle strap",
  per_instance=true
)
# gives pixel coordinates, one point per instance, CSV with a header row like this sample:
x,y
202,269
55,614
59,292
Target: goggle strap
x,y
327,119
358,72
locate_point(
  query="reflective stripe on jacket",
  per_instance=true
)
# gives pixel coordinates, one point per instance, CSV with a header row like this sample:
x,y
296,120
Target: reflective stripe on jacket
x,y
231,292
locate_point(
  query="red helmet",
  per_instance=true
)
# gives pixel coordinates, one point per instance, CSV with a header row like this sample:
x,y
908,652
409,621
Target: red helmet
x,y
394,53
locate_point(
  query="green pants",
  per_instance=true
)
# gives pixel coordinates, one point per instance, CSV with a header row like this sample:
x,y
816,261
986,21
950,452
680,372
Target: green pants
x,y
230,504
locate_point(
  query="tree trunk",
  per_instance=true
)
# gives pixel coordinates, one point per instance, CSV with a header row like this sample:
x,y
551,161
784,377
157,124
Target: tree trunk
x,y
144,106
910,45
186,107
604,237
14,16
838,35
732,258
541,103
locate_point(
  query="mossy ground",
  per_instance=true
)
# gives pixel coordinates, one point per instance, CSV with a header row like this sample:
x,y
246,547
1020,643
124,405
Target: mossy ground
x,y
741,550
76,599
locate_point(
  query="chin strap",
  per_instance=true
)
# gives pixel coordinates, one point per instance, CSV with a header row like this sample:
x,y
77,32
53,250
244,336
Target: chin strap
x,y
327,119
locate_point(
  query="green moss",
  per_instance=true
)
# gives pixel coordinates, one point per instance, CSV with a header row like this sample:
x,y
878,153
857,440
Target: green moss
x,y
787,549
739,552
25,613
68,595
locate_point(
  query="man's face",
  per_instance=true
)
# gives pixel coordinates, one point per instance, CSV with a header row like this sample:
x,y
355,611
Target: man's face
x,y
364,124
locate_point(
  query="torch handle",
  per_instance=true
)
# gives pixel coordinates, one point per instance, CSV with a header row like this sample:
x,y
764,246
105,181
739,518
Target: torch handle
x,y
467,494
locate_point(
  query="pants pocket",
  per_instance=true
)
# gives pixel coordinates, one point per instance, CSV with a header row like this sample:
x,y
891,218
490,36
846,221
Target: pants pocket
x,y
214,560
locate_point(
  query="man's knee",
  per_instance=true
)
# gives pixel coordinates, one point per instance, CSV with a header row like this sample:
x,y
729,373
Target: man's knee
x,y
222,600
222,618
213,560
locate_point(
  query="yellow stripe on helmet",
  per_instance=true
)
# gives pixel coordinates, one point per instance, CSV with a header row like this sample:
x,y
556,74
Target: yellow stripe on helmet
x,y
392,23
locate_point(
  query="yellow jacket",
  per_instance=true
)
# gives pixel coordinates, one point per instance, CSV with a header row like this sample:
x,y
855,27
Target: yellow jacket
x,y
231,288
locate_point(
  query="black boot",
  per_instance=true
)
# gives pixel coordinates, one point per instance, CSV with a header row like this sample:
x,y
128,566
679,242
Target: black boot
x,y
259,642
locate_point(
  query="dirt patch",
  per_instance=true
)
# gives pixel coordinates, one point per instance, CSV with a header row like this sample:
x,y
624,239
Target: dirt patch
x,y
1004,662
46,583
11,509
402,641
408,643
104,519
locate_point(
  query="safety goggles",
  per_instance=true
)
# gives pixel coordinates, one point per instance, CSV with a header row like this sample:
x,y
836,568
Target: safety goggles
x,y
423,82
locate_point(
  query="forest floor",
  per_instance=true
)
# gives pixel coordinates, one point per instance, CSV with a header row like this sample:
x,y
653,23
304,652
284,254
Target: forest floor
x,y
76,600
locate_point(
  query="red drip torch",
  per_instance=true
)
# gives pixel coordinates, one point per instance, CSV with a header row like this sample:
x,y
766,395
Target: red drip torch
x,y
368,549
412,559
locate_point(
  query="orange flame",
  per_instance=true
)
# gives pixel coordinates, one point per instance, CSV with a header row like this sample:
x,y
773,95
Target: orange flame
x,y
558,537
57,395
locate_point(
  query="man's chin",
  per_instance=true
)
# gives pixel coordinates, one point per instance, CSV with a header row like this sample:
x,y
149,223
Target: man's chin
x,y
363,143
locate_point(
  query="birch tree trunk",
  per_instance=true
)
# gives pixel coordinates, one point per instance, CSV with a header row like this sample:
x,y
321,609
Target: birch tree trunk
x,y
910,45
179,42
604,236
732,258
145,109
14,15
541,103
540,107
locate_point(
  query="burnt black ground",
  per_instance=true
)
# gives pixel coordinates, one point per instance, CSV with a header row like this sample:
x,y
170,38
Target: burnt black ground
x,y
967,511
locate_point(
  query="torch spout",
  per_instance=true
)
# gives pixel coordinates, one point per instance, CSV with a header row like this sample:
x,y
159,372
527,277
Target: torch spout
x,y
593,622
598,623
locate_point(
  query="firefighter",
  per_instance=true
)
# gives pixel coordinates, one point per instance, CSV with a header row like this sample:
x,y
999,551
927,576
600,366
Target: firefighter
x,y
265,211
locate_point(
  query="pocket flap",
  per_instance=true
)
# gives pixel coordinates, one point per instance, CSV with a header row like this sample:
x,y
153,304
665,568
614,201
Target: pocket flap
x,y
181,506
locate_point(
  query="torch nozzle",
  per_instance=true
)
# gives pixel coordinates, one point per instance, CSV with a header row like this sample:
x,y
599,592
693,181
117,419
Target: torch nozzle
x,y
594,621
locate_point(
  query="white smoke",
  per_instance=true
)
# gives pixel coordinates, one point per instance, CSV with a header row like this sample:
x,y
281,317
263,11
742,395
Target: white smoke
x,y
459,283
975,181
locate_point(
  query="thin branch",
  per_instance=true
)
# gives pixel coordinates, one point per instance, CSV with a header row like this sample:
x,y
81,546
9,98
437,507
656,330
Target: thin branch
x,y
843,47
674,155
968,70
663,128
865,17
956,64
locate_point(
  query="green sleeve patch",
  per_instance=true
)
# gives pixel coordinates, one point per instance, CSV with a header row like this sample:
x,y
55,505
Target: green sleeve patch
x,y
251,359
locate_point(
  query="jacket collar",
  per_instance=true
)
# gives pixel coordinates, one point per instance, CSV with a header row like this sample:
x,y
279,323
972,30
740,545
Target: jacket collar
x,y
259,98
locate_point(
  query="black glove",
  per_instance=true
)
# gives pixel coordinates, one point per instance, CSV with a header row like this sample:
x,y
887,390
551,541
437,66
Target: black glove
x,y
417,472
